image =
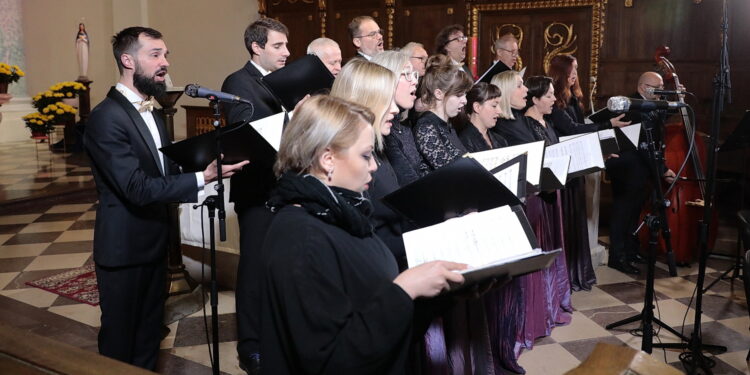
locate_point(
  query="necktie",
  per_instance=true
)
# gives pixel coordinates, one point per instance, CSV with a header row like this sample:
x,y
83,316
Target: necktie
x,y
146,105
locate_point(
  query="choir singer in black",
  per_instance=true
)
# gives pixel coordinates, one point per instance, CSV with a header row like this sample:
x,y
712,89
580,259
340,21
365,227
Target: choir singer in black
x,y
333,300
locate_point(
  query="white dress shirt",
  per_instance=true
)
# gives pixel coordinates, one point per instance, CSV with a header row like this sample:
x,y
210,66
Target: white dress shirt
x,y
148,118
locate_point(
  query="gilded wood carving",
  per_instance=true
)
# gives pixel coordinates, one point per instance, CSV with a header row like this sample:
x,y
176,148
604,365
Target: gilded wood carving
x,y
597,8
562,42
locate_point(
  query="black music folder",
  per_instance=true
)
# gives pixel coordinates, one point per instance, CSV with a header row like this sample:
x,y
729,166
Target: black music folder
x,y
495,69
239,141
603,115
458,188
306,75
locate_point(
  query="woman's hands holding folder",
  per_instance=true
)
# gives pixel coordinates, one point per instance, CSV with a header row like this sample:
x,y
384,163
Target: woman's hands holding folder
x,y
617,121
429,279
227,170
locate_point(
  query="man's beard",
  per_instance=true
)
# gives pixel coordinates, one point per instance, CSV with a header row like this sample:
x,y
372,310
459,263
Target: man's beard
x,y
147,85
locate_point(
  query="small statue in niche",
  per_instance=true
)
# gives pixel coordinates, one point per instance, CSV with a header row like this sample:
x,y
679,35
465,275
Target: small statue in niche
x,y
82,52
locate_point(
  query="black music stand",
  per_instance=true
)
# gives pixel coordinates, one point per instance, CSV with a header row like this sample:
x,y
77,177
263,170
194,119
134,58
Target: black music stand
x,y
738,140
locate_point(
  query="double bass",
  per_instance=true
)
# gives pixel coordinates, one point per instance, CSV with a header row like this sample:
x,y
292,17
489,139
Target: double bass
x,y
686,196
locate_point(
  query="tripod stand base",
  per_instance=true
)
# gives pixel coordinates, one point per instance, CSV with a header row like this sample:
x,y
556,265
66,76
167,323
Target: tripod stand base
x,y
658,322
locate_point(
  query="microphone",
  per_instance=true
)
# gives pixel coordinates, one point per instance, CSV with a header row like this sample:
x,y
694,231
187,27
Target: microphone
x,y
196,91
624,104
652,91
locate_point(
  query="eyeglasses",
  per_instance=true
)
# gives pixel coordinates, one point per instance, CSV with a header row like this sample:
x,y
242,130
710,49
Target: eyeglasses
x,y
411,76
372,34
655,87
420,58
512,52
461,38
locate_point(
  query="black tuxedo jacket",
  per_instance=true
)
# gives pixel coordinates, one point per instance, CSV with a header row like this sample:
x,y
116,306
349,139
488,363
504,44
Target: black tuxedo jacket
x,y
250,187
132,224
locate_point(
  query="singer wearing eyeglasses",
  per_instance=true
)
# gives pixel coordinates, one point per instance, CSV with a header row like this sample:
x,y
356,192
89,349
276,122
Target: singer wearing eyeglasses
x,y
451,41
367,37
135,183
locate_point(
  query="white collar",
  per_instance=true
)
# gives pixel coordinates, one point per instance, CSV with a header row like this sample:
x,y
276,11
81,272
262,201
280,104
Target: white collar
x,y
129,94
365,56
262,71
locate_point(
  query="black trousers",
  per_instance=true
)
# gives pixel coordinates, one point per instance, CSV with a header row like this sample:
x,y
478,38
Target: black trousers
x,y
132,303
630,179
254,222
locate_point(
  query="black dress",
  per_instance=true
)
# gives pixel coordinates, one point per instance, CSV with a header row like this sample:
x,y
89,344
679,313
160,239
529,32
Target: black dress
x,y
568,121
437,141
475,142
389,225
516,131
330,304
401,150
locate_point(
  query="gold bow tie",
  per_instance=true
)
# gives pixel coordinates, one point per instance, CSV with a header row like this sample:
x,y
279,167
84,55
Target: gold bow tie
x,y
146,105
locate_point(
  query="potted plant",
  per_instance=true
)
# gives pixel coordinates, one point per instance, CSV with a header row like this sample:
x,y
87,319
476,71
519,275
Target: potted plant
x,y
9,74
69,89
40,124
61,113
46,98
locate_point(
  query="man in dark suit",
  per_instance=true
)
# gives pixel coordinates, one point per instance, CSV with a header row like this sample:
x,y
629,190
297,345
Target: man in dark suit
x,y
266,40
630,174
451,41
135,183
367,37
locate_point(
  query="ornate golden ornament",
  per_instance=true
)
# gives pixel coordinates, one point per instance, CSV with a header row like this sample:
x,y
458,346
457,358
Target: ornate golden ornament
x,y
628,3
597,20
262,8
390,12
561,44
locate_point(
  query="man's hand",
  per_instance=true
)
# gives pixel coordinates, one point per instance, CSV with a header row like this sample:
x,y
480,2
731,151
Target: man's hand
x,y
669,176
227,170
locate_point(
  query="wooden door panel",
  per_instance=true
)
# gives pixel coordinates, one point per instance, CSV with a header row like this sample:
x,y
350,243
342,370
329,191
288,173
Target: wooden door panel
x,y
417,22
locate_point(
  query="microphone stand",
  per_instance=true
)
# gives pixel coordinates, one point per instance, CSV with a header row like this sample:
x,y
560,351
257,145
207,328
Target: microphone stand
x,y
213,202
694,359
656,221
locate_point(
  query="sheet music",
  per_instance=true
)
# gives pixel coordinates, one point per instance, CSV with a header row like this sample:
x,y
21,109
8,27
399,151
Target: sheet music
x,y
606,134
633,133
270,128
569,137
509,177
559,166
476,239
534,151
585,152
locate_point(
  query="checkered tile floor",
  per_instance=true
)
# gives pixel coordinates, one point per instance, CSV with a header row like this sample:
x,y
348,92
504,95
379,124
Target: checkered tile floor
x,y
47,238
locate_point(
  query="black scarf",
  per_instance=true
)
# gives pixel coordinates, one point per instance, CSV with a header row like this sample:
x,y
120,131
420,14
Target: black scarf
x,y
344,208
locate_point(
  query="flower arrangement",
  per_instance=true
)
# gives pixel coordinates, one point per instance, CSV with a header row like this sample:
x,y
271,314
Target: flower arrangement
x,y
69,89
44,99
39,122
60,112
10,73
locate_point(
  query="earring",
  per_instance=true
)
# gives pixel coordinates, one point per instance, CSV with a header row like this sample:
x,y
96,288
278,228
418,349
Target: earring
x,y
330,175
